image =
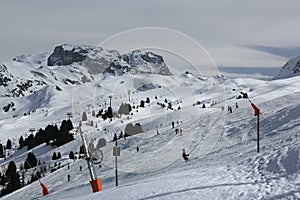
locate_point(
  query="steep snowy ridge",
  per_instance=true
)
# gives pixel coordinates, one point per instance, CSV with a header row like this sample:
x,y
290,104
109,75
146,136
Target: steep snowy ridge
x,y
290,69
21,80
33,59
12,85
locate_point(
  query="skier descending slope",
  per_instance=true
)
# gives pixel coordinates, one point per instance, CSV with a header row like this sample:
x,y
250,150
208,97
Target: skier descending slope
x,y
185,155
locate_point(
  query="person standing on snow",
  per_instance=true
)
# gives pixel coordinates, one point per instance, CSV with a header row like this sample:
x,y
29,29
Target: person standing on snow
x,y
185,155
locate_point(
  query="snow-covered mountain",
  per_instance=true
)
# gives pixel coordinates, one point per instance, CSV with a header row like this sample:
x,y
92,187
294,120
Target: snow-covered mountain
x,y
68,65
223,162
98,60
290,69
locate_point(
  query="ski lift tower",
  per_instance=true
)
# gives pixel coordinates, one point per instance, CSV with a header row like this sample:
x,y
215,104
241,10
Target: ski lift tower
x,y
69,114
31,130
128,95
110,97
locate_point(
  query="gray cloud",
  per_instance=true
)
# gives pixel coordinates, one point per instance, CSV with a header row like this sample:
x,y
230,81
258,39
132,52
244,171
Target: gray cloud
x,y
34,26
286,52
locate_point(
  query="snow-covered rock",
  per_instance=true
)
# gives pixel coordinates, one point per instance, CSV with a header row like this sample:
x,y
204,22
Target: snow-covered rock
x,y
11,86
96,59
290,69
146,63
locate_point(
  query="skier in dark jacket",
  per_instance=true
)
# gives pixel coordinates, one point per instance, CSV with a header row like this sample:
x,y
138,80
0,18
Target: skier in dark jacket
x,y
185,155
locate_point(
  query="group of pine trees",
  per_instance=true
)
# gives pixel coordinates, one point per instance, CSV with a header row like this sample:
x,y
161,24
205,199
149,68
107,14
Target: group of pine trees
x,y
30,161
13,180
142,103
124,109
10,180
129,131
56,156
50,133
8,146
105,114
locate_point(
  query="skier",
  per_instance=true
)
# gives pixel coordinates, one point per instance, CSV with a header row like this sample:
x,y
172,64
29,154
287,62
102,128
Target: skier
x,y
137,149
69,177
180,130
236,105
80,168
185,155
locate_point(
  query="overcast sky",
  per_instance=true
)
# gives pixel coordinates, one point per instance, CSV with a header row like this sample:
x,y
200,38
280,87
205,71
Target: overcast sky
x,y
226,28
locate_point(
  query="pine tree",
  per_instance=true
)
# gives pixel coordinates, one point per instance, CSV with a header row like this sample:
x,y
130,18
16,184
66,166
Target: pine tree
x,y
1,151
12,177
138,128
81,150
84,117
64,136
109,112
30,142
147,100
115,137
40,137
71,155
58,155
54,157
31,161
8,144
121,135
21,142
142,104
52,132
129,129
2,179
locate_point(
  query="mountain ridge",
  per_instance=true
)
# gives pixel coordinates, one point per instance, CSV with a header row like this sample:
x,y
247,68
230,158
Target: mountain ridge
x,y
290,68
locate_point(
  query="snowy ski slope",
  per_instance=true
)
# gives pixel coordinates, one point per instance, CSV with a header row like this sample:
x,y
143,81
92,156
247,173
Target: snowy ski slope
x,y
223,160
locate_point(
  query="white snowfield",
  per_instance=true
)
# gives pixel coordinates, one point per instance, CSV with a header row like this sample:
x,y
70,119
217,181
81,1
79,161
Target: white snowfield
x,y
223,161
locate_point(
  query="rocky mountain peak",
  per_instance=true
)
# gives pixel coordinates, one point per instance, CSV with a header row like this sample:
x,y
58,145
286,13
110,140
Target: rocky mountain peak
x,y
98,60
